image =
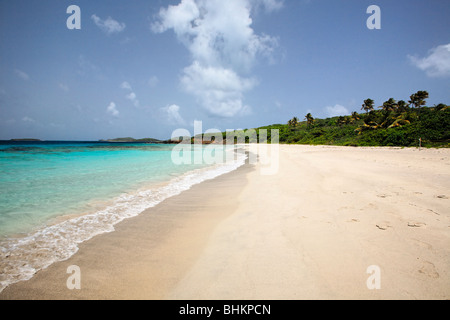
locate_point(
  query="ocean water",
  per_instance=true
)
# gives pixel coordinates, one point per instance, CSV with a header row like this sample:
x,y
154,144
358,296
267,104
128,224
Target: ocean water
x,y
56,195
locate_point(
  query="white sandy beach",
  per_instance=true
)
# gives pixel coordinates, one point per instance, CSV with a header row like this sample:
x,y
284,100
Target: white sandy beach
x,y
310,231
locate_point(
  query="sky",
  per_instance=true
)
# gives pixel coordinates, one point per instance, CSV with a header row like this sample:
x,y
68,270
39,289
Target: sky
x,y
135,68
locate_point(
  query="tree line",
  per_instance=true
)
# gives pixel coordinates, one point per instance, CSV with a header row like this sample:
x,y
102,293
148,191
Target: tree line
x,y
399,108
399,123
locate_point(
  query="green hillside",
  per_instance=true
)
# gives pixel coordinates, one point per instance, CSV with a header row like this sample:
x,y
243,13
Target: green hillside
x,y
392,124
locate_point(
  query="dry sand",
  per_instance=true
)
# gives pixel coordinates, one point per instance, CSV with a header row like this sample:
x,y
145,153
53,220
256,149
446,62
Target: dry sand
x,y
310,231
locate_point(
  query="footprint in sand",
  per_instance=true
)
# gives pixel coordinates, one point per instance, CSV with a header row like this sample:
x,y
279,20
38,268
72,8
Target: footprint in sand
x,y
429,269
442,196
383,225
434,212
416,224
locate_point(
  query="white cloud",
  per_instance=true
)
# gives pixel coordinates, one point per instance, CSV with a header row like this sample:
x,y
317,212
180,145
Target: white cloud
x,y
222,43
219,90
22,75
109,26
112,110
436,64
125,85
337,110
172,114
216,32
131,96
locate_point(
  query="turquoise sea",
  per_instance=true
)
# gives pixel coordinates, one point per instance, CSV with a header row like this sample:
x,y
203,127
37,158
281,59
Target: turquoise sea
x,y
55,195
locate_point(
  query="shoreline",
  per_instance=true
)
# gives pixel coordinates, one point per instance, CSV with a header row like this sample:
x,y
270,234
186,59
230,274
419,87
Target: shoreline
x,y
174,218
311,231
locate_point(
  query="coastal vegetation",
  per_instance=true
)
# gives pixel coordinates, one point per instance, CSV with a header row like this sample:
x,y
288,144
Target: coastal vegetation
x,y
393,123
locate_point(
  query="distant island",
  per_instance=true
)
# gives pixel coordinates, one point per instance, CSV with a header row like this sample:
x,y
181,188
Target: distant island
x,y
25,140
132,140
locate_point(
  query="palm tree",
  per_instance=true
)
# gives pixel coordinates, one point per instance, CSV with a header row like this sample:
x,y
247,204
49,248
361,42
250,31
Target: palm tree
x,y
309,120
418,99
390,105
402,106
293,122
345,120
368,105
400,121
412,100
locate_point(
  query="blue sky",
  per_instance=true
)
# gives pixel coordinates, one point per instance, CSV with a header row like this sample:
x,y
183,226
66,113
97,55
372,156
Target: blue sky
x,y
145,68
